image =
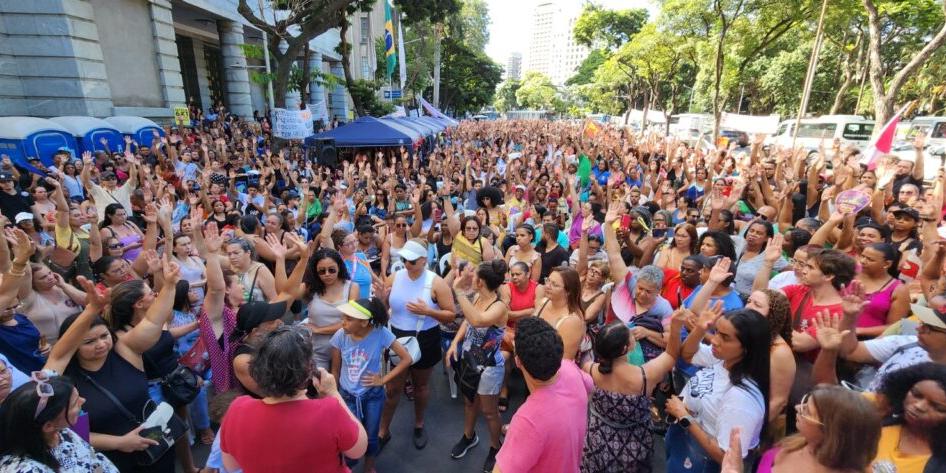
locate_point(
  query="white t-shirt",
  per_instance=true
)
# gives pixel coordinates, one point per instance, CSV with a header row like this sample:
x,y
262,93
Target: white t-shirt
x,y
718,406
785,278
887,350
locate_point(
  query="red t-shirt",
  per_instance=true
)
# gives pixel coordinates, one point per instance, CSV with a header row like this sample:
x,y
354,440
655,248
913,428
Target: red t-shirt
x,y
674,290
306,435
802,316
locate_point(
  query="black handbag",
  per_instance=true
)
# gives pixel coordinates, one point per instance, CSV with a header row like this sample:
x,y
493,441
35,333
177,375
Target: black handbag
x,y
180,387
166,437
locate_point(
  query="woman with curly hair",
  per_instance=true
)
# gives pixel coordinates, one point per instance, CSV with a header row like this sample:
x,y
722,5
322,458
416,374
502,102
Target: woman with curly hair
x,y
328,285
914,435
774,306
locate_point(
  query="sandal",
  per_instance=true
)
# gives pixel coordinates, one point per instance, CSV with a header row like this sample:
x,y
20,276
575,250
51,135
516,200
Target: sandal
x,y
503,404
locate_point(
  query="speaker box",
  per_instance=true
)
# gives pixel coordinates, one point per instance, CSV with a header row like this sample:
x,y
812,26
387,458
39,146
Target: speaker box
x,y
326,153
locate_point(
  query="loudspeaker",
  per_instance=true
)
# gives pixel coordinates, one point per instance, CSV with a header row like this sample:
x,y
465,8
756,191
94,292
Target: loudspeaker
x,y
326,153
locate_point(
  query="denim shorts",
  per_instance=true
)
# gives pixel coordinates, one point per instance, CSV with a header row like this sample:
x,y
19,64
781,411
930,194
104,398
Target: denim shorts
x,y
367,408
491,381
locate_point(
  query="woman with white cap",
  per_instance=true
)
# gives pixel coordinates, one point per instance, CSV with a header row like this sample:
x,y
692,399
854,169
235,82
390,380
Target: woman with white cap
x,y
419,301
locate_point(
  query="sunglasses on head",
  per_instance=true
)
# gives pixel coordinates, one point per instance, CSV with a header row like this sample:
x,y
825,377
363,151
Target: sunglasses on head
x,y
324,271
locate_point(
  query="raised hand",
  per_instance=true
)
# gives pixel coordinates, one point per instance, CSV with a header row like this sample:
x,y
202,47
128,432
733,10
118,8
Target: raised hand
x,y
279,250
213,241
829,334
720,271
773,250
708,317
853,298
172,272
94,298
23,247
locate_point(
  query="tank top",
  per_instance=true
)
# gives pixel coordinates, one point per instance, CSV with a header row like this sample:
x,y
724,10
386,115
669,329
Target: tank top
x,y
322,313
251,290
360,273
161,359
521,300
878,305
405,290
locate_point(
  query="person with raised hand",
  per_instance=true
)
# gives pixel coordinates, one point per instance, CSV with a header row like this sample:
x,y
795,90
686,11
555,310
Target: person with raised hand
x,y
20,340
731,389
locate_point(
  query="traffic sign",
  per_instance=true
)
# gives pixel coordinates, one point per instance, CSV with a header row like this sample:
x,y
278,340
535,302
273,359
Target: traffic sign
x,y
392,94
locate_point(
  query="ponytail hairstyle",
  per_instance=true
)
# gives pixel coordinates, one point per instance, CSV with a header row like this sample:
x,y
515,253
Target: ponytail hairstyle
x,y
612,343
892,254
379,313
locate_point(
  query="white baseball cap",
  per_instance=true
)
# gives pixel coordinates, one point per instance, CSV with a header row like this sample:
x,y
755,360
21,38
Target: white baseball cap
x,y
22,216
412,251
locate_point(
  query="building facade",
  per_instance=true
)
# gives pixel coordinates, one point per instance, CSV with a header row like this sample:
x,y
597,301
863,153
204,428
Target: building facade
x,y
140,57
513,67
552,47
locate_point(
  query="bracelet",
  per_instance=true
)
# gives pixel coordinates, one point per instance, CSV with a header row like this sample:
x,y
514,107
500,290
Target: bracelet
x,y
14,272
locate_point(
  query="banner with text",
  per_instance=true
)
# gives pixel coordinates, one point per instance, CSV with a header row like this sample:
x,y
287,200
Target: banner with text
x,y
292,124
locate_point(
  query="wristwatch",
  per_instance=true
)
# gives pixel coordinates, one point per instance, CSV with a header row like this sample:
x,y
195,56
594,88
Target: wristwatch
x,y
685,421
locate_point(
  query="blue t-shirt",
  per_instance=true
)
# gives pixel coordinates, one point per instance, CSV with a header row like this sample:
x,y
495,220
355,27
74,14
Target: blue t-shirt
x,y
731,301
20,344
360,357
360,274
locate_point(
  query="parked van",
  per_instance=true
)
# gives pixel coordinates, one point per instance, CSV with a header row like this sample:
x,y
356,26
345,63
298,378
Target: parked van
x,y
934,128
850,129
690,127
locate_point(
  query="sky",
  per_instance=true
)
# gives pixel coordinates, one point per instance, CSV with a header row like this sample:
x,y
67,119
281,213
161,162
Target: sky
x,y
511,20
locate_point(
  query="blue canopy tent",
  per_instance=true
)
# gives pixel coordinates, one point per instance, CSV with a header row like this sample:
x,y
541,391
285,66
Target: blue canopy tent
x,y
368,132
138,128
438,125
90,131
446,121
25,137
430,128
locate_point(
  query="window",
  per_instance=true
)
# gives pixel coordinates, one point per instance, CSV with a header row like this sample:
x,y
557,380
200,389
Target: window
x,y
365,68
817,130
858,131
365,30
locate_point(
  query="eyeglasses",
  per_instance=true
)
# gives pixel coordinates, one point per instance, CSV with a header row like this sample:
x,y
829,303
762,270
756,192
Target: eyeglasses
x,y
116,246
43,389
801,409
324,271
401,225
471,229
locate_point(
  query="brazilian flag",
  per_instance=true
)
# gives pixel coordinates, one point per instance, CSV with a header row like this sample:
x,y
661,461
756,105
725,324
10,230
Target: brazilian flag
x,y
390,55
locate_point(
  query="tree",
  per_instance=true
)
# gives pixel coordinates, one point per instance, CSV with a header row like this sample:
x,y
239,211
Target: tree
x,y
506,95
472,24
537,92
885,19
304,20
586,70
611,28
426,10
469,78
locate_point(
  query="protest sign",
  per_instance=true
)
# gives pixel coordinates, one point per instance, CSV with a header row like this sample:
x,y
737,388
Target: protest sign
x,y
292,124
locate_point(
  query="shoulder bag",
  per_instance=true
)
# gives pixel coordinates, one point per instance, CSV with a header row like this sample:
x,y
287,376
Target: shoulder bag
x,y
165,435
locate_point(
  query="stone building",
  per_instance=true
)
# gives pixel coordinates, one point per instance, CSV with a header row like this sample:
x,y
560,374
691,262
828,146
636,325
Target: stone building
x,y
144,57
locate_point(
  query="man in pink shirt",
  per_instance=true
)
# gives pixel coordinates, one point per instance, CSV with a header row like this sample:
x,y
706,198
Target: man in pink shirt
x,y
547,433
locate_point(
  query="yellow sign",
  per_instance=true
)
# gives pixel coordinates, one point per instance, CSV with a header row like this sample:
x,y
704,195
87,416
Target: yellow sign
x,y
182,116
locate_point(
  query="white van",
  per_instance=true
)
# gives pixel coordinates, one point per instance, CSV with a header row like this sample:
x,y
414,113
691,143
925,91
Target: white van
x,y
850,129
689,127
935,130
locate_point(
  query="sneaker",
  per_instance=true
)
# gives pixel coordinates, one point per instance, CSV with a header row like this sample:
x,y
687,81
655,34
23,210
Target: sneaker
x,y
490,460
463,446
420,438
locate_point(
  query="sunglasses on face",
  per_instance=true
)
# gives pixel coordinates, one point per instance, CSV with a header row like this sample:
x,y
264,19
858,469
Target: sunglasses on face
x,y
116,246
324,271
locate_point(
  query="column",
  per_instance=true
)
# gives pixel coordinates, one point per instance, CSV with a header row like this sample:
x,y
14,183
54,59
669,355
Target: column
x,y
316,91
236,75
169,64
339,97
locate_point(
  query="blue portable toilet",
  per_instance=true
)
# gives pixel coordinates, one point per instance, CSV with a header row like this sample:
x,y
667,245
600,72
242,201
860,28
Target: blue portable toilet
x,y
25,137
138,128
89,132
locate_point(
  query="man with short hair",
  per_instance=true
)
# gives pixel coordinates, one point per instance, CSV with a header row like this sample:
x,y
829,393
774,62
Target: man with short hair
x,y
537,441
12,200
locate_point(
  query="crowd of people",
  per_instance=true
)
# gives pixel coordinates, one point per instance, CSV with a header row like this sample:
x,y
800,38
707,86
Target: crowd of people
x,y
753,308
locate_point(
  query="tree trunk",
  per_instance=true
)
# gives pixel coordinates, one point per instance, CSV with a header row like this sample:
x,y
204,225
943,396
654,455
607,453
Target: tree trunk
x,y
281,81
436,97
717,82
885,98
344,48
306,72
850,67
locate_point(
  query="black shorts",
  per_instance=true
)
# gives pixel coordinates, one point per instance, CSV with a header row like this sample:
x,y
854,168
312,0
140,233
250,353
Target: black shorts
x,y
429,341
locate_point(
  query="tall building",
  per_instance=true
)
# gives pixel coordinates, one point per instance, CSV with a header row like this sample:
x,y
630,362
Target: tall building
x,y
552,47
514,67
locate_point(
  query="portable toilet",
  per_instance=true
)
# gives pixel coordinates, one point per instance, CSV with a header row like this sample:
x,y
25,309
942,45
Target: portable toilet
x,y
25,137
90,131
138,128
